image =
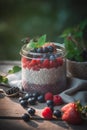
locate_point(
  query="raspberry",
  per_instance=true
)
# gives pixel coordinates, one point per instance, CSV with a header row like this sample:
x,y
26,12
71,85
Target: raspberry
x,y
24,60
48,96
46,63
33,62
59,61
57,100
47,113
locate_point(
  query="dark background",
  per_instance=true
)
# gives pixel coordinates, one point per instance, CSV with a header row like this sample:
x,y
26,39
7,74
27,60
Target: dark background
x,y
22,18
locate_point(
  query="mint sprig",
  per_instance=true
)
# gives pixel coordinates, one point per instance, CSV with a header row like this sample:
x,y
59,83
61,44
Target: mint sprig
x,y
36,44
14,69
3,79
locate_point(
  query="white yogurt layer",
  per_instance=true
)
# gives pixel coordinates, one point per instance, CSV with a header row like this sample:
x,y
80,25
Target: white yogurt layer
x,y
43,76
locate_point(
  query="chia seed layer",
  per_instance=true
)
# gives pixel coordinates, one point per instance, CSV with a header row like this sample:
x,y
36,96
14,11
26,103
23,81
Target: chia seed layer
x,y
44,80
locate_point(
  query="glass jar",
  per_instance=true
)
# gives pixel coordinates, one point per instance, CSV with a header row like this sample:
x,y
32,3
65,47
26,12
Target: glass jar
x,y
43,72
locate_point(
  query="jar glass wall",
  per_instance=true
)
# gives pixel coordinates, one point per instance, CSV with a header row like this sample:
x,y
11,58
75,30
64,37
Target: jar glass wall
x,y
43,72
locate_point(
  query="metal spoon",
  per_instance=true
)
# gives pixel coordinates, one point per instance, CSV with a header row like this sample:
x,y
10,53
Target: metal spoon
x,y
11,92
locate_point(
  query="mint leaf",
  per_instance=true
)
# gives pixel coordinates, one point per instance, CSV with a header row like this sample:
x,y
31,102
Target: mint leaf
x,y
42,40
14,69
3,79
35,44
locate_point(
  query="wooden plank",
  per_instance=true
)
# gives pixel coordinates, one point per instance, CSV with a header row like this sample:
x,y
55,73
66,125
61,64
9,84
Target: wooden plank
x,y
11,107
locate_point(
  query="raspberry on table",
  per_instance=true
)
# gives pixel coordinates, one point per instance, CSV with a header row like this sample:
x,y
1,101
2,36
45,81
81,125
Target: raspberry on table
x,y
47,113
48,96
57,100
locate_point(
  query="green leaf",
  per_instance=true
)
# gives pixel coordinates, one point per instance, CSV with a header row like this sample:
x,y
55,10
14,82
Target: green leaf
x,y
42,40
35,44
3,79
14,69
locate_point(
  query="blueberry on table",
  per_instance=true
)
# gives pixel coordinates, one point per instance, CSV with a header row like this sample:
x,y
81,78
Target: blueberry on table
x,y
41,99
27,96
24,103
49,103
31,111
32,100
57,113
20,98
26,117
35,94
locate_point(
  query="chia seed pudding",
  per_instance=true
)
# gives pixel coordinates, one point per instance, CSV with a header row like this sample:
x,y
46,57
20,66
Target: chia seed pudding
x,y
43,68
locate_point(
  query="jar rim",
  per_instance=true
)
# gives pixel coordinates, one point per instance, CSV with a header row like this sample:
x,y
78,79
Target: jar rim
x,y
28,54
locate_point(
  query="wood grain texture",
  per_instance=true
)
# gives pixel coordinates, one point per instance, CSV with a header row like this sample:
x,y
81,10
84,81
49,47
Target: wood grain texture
x,y
11,107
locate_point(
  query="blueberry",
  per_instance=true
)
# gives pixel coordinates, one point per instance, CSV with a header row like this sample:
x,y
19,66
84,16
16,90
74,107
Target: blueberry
x,y
57,113
41,99
27,95
20,98
36,94
24,103
45,56
39,50
34,50
52,57
58,55
45,49
31,111
50,48
26,117
49,103
51,107
32,100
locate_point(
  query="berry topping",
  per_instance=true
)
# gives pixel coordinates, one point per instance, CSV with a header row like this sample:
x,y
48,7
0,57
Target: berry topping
x,y
46,63
50,48
47,113
60,61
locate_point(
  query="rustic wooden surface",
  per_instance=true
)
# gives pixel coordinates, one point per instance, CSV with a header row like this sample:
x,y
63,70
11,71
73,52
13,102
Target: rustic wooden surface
x,y
11,107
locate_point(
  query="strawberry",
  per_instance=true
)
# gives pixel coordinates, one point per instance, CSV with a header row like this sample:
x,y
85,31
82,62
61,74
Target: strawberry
x,y
65,107
47,113
72,116
71,113
48,96
57,100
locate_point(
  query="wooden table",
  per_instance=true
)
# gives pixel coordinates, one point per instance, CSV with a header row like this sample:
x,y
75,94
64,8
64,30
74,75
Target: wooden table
x,y
11,107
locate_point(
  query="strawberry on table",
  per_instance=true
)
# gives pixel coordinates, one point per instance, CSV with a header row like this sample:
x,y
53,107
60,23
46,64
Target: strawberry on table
x,y
72,113
72,116
65,107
